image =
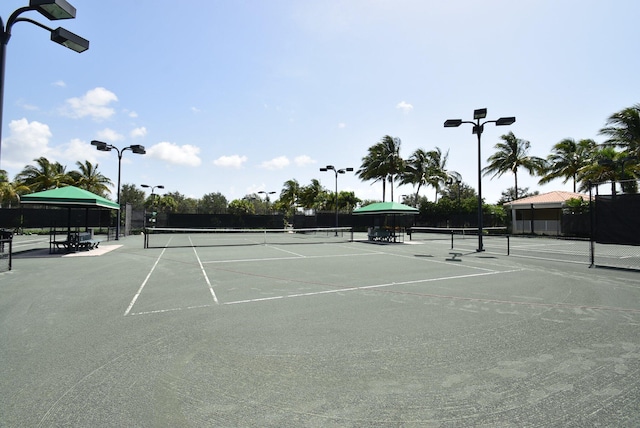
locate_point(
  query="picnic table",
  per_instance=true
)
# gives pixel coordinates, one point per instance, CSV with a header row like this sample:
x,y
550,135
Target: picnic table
x,y
73,242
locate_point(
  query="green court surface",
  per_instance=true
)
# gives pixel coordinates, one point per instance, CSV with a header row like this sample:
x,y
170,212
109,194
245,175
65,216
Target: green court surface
x,y
353,334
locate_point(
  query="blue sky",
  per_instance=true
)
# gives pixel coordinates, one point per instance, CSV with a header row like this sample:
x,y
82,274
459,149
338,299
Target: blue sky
x,y
238,96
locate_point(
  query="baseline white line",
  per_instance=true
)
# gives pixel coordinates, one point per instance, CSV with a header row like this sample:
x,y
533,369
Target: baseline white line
x,y
133,302
369,287
206,278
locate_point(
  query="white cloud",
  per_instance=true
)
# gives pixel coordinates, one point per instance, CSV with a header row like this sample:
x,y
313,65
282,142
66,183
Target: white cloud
x,y
78,150
95,104
186,155
109,135
276,163
233,161
303,160
195,110
26,141
404,106
138,132
59,83
342,125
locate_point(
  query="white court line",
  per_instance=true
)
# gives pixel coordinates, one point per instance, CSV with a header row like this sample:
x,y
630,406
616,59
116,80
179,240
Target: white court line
x,y
285,251
268,259
206,278
369,287
133,302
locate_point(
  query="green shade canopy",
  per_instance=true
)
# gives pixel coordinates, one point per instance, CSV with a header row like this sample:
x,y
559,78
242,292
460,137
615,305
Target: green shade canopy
x,y
68,196
386,208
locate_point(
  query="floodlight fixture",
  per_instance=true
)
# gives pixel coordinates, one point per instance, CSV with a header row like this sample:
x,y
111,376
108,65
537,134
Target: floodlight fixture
x,y
505,121
53,9
452,123
480,113
138,149
70,40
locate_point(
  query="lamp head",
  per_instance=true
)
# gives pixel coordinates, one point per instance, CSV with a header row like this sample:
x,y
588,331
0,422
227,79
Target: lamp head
x,y
53,9
331,167
70,40
452,123
480,113
505,121
146,186
323,169
101,146
138,149
160,187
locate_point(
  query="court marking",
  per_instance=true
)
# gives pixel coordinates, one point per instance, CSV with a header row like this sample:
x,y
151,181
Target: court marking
x,y
204,273
135,297
348,289
153,268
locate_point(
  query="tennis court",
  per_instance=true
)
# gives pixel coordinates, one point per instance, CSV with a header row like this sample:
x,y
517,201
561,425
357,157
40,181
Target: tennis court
x,y
336,333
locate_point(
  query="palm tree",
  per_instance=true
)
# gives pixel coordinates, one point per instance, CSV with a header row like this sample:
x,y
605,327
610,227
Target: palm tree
x,y
512,154
309,195
623,130
90,179
45,176
437,169
382,163
9,191
290,194
567,158
608,164
416,170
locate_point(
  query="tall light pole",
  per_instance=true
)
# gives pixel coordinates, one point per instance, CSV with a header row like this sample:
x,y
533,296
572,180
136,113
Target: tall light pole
x,y
337,171
153,195
52,10
104,147
477,129
266,197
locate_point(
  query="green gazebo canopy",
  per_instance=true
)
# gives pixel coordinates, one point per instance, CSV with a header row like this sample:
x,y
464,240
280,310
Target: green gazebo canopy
x,y
68,196
386,208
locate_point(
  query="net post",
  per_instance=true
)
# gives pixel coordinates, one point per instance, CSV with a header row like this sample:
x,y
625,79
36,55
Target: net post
x,y
452,239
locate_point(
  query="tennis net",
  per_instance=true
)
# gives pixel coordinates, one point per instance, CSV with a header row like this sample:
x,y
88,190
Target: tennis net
x,y
419,233
164,237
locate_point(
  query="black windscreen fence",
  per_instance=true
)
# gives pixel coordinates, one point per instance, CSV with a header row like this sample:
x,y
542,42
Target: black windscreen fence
x,y
618,219
28,218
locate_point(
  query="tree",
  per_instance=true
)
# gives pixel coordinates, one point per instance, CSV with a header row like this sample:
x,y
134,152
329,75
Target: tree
x,y
567,158
88,178
130,194
623,130
9,191
241,207
436,169
382,163
213,203
416,170
607,164
288,197
511,155
44,176
184,205
309,195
